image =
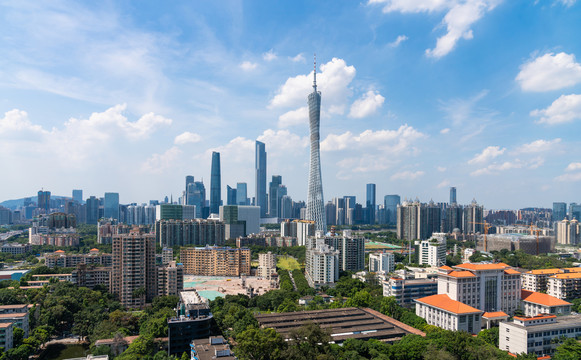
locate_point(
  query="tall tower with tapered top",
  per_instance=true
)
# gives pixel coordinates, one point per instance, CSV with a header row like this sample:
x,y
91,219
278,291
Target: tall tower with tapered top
x,y
315,202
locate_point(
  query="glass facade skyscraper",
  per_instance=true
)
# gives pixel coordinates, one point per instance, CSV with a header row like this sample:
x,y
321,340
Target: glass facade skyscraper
x,y
370,204
215,184
452,195
315,201
273,195
241,194
260,168
559,211
390,203
111,206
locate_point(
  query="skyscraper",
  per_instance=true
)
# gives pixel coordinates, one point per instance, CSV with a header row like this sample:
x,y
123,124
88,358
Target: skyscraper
x,y
44,201
215,186
78,196
559,211
370,204
241,194
315,201
92,209
452,195
230,195
111,206
260,167
390,202
273,195
189,190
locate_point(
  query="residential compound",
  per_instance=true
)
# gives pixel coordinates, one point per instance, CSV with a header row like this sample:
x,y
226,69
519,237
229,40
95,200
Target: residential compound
x,y
560,283
189,232
216,261
266,265
322,265
61,259
568,232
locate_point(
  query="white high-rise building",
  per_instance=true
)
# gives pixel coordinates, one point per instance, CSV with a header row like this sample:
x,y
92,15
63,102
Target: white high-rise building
x,y
433,251
568,232
381,262
322,265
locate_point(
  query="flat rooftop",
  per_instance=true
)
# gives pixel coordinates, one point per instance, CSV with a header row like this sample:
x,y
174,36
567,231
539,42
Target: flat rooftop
x,y
562,321
343,324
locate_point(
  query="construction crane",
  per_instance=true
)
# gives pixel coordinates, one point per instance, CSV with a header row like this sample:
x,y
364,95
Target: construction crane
x,y
486,227
535,229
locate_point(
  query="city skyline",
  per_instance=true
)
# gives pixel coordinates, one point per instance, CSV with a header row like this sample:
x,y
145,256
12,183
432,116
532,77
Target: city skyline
x,y
410,105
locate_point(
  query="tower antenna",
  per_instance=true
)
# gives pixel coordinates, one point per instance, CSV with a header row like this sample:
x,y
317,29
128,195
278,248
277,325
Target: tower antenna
x,y
315,72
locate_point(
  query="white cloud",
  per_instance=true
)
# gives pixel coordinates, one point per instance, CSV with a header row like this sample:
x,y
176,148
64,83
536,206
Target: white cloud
x,y
299,116
441,168
395,141
487,154
332,81
159,163
573,166
407,175
248,66
445,131
269,55
567,3
366,105
298,58
282,142
443,184
549,72
186,138
565,109
537,146
398,41
495,168
460,15
569,177
17,120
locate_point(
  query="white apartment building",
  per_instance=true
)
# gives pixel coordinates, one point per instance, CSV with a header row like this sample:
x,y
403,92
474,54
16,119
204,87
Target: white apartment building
x,y
538,280
6,330
488,287
433,251
526,335
381,262
535,303
266,265
564,286
441,311
568,232
406,291
322,265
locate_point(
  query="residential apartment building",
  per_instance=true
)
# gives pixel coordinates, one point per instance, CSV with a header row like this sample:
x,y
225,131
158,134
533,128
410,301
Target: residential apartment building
x,y
446,313
534,303
216,261
300,229
406,291
489,287
322,265
15,248
433,251
6,340
568,232
351,250
565,285
61,259
90,276
134,275
196,232
266,265
381,262
18,320
537,334
170,279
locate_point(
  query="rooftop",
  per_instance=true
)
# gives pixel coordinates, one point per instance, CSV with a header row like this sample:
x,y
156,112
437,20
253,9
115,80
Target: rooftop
x,y
461,274
561,321
542,299
495,315
567,276
512,272
443,301
483,266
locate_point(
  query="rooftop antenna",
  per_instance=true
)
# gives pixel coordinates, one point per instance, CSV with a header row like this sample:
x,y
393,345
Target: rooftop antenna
x,y
315,72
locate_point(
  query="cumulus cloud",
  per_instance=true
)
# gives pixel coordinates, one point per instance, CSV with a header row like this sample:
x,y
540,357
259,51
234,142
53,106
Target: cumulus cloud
x,y
299,116
407,175
569,177
298,58
495,168
283,141
366,105
16,121
549,72
248,66
441,168
460,15
398,41
396,141
487,154
269,55
573,166
332,81
186,138
445,131
566,108
159,163
538,146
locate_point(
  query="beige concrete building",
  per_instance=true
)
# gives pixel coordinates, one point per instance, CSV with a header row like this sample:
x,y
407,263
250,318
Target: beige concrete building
x,y
568,232
441,311
215,261
534,303
266,265
565,286
170,279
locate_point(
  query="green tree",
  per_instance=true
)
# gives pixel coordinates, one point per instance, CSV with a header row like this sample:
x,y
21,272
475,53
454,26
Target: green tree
x,y
17,337
309,342
259,344
570,349
489,336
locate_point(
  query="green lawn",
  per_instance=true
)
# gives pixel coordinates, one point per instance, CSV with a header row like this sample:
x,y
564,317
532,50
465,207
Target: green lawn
x,y
288,263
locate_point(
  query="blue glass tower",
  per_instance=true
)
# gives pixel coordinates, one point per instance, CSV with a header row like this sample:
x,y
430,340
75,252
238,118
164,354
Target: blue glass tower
x,y
241,194
215,186
370,204
111,206
260,168
315,202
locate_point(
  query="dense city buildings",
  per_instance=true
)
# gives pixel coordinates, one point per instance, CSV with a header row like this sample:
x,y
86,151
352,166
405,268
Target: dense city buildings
x,y
568,232
189,232
260,178
417,221
315,200
215,261
193,320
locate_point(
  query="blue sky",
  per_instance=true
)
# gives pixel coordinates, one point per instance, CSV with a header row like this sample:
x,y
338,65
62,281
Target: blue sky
x,y
417,96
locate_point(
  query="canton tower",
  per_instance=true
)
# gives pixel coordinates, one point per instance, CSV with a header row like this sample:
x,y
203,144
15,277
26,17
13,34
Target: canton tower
x,y
315,204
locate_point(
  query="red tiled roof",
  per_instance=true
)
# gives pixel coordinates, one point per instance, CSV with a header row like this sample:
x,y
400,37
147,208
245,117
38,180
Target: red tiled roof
x,y
542,299
461,274
470,266
443,301
496,314
511,272
446,267
538,317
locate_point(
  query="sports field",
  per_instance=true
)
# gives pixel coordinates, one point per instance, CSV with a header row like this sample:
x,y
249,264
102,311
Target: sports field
x,y
288,263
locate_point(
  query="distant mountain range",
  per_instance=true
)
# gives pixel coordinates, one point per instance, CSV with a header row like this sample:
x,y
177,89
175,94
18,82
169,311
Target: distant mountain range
x,y
16,203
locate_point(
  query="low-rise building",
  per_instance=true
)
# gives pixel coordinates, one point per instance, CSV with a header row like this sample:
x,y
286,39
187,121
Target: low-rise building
x,y
564,286
534,303
192,321
19,320
441,311
406,291
6,329
214,347
15,248
537,334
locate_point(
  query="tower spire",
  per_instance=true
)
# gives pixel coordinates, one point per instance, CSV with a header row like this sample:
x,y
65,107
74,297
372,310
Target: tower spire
x,y
315,72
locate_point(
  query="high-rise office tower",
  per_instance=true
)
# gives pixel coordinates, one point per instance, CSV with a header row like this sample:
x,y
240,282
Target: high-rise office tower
x,y
574,211
44,201
452,195
390,203
241,194
215,185
111,206
92,209
78,196
134,275
260,168
315,201
370,204
473,218
559,211
230,195
189,190
273,195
